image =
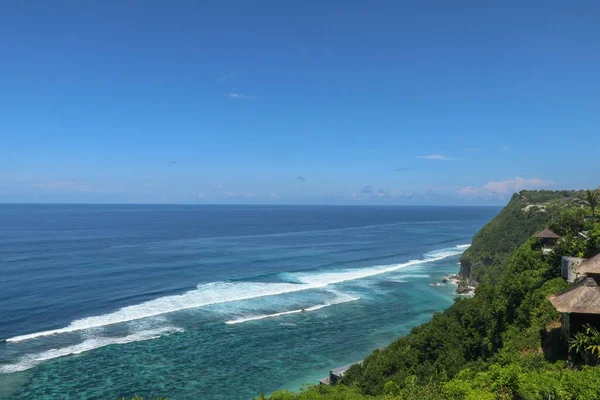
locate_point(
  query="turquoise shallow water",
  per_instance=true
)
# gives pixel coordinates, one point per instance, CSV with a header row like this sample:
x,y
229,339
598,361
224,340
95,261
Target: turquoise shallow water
x,y
213,302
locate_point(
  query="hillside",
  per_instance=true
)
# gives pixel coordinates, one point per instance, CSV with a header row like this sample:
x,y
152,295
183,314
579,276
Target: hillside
x,y
504,342
526,213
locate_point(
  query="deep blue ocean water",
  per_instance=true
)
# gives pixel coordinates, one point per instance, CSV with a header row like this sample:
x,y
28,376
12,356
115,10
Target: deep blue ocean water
x,y
212,302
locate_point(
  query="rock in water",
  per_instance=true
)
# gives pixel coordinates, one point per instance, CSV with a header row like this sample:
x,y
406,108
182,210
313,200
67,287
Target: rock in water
x,y
463,287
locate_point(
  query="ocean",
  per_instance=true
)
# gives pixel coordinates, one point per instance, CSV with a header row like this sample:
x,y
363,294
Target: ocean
x,y
213,302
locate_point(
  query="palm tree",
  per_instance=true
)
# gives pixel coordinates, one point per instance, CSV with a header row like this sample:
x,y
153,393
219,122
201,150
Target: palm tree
x,y
592,197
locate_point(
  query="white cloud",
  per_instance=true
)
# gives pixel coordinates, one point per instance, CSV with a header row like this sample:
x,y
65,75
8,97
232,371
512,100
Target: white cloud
x,y
397,193
368,193
239,96
503,188
468,191
435,157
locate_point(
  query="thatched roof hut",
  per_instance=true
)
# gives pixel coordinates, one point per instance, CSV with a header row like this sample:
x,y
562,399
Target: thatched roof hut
x,y
546,234
583,298
589,266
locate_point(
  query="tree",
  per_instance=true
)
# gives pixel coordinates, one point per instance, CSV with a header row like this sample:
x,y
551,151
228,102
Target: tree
x,y
592,197
569,221
587,340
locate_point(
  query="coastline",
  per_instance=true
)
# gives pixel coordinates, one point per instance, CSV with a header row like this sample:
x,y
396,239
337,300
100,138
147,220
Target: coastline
x,y
462,286
336,373
391,267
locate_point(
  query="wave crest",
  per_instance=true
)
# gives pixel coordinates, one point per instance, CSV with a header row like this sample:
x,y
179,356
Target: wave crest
x,y
31,360
346,299
222,292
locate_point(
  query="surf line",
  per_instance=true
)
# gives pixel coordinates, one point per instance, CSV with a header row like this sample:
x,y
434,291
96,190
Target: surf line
x,y
223,292
313,308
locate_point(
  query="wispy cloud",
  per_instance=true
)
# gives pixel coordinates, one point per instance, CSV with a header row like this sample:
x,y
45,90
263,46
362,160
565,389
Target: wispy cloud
x,y
225,77
435,157
368,193
505,147
300,178
503,188
239,96
275,196
367,189
68,186
405,169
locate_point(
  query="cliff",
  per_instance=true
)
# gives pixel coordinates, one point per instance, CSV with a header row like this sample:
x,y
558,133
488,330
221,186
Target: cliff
x,y
505,341
526,213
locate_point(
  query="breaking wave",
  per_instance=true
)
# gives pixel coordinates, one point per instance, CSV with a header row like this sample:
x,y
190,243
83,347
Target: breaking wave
x,y
31,360
307,309
222,292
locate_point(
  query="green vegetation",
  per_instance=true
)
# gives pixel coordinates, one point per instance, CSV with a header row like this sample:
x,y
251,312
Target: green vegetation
x,y
503,343
592,198
527,380
526,213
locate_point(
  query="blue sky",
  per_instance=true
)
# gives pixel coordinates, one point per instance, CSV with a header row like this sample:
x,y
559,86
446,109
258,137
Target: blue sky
x,y
312,102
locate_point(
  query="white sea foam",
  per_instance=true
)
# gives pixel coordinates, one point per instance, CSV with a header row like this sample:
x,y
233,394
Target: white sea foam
x,y
31,360
329,278
340,300
412,276
257,317
222,292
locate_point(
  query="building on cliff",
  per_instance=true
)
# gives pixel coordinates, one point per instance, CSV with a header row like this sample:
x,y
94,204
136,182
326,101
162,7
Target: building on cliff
x,y
546,240
590,268
336,374
580,304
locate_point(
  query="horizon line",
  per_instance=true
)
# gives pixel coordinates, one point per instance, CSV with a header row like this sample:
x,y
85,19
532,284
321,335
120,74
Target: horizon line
x,y
251,204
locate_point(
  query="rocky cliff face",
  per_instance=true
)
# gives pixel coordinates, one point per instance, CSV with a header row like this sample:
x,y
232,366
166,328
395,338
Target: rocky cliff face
x,y
465,269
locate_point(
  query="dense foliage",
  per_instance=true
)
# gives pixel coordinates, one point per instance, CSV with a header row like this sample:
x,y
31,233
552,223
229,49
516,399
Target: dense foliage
x,y
526,213
505,342
531,378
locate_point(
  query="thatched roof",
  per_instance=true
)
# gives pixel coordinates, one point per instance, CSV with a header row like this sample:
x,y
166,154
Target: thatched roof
x,y
546,234
583,298
589,266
